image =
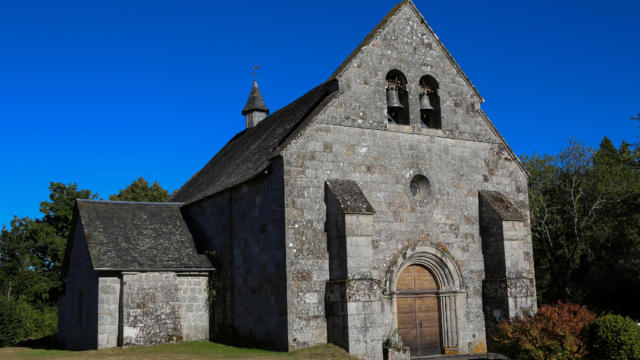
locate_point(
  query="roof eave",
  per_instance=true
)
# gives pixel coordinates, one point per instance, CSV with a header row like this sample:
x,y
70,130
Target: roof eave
x,y
169,269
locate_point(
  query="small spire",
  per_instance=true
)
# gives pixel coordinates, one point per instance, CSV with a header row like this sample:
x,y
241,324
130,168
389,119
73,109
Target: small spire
x,y
255,110
255,102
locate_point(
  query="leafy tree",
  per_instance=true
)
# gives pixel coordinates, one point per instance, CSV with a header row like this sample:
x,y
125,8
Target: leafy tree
x,y
15,259
563,208
585,216
31,255
11,324
140,190
613,266
59,210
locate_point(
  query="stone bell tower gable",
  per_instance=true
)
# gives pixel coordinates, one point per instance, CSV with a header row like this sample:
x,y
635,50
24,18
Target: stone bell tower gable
x,y
404,41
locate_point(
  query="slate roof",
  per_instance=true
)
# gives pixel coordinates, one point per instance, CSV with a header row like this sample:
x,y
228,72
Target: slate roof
x,y
502,206
255,101
351,198
249,152
138,236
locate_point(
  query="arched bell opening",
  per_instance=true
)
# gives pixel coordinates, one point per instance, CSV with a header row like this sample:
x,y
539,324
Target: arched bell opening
x,y
430,114
397,98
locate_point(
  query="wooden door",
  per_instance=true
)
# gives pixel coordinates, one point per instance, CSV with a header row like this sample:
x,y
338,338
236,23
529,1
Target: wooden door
x,y
418,312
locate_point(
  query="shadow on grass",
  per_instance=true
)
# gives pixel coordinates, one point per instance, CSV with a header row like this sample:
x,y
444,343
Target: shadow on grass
x,y
44,343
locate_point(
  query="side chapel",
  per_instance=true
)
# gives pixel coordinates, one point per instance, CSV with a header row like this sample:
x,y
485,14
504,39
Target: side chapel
x,y
381,202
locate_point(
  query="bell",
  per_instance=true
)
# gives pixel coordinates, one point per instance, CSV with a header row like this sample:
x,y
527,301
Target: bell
x,y
393,99
425,104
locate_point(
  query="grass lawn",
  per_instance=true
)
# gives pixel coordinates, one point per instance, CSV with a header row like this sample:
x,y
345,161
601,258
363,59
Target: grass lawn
x,y
188,350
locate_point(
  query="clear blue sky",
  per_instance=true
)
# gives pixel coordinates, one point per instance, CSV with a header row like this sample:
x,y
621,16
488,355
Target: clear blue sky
x,y
102,92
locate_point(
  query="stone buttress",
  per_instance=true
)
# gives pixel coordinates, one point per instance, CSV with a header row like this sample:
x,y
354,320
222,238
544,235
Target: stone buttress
x,y
352,296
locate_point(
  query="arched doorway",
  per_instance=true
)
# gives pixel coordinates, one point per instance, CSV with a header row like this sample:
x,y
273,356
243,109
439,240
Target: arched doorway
x,y
436,275
418,311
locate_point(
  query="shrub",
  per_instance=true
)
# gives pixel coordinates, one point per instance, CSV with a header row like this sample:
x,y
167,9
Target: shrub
x,y
554,333
37,322
613,337
11,324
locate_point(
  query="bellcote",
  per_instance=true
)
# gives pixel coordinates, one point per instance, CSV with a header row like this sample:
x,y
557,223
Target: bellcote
x,y
255,110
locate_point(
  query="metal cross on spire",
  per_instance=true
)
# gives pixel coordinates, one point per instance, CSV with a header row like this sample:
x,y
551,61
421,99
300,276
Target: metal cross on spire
x,y
255,72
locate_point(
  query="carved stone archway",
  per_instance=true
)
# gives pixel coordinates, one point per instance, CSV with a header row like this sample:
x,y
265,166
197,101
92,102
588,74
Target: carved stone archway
x,y
451,293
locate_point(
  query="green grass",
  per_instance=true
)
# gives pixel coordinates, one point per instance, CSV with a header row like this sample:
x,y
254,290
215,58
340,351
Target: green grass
x,y
187,350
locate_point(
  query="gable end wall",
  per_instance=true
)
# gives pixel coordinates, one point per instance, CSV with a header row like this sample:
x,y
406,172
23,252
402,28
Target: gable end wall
x,y
350,139
78,314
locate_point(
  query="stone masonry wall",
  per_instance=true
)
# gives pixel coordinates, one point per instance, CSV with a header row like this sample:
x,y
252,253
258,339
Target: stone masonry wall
x,y
211,224
350,139
194,309
108,311
78,306
244,227
150,309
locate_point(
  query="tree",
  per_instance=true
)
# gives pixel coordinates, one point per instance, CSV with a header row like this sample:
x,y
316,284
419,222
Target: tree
x,y
31,252
59,210
140,190
585,218
636,118
561,211
613,265
31,255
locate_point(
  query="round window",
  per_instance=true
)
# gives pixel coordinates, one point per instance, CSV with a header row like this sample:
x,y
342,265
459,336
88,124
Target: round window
x,y
419,187
415,189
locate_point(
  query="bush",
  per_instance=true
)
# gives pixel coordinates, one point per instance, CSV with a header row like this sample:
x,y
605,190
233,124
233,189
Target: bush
x,y
613,337
554,333
37,322
11,324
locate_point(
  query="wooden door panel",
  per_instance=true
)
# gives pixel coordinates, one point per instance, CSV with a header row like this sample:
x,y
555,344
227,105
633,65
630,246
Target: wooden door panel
x,y
423,279
407,328
428,319
417,311
406,280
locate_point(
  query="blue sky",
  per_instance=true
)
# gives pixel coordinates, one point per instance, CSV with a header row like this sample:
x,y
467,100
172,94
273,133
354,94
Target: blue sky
x,y
102,92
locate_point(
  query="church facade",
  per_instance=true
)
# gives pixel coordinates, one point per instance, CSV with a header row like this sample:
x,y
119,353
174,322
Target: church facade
x,y
382,203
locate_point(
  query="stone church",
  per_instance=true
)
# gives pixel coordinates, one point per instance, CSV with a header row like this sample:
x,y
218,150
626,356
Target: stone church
x,y
382,203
